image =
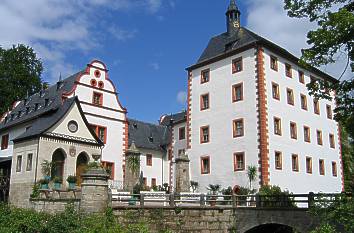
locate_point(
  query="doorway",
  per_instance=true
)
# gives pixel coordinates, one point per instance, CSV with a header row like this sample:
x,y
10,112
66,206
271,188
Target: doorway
x,y
81,165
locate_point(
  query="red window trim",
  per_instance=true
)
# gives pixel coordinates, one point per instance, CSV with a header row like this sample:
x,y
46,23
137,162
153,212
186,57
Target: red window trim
x,y
149,160
308,158
101,98
297,162
234,96
153,182
291,100
96,131
276,97
201,134
5,142
180,134
202,102
235,161
290,74
309,134
275,68
202,166
316,106
334,169
201,76
295,127
280,128
321,166
234,128
239,59
104,164
281,160
329,111
319,142
332,143
303,107
301,77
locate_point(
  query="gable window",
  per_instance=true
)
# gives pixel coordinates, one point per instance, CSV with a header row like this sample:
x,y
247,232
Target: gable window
x,y
307,134
239,161
331,141
237,92
322,167
295,162
309,165
97,98
101,132
288,71
277,126
204,102
293,130
303,101
182,133
329,111
319,137
290,96
205,76
316,106
238,128
148,159
278,160
334,168
205,165
29,162
19,163
274,63
275,91
109,167
204,134
237,65
4,142
301,77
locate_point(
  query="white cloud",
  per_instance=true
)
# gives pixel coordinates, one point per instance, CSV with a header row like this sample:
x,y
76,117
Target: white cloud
x,y
154,65
182,97
121,34
269,19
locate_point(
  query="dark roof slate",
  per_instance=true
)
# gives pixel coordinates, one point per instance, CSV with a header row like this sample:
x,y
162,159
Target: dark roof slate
x,y
148,136
176,118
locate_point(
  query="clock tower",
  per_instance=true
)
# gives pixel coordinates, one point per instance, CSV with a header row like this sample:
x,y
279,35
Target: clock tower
x,y
232,18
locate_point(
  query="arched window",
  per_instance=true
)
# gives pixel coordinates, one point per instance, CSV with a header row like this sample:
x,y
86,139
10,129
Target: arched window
x,y
58,160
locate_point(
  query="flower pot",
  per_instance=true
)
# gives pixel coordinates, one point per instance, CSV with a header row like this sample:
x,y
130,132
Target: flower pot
x,y
57,185
72,185
44,186
132,201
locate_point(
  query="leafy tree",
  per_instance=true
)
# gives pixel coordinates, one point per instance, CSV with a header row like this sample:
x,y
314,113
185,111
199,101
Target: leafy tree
x,y
251,174
20,72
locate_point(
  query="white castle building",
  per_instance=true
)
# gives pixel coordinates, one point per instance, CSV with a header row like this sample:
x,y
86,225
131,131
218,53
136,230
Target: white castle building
x,y
248,105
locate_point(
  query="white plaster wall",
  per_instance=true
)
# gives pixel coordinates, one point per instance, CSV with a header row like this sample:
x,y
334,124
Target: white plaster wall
x,y
300,182
219,117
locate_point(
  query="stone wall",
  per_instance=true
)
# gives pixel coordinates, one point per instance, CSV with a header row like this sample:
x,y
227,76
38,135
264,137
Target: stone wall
x,y
53,206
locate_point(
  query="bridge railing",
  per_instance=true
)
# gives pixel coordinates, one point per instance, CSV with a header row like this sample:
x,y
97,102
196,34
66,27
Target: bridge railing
x,y
150,199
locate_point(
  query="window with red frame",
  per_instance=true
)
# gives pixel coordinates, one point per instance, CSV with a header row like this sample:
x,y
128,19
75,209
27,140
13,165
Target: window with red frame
x,y
274,63
322,167
309,165
237,92
205,165
307,136
331,141
278,160
239,161
290,96
145,181
204,102
205,76
293,130
148,159
334,169
319,137
153,182
288,71
301,77
303,101
238,128
101,132
316,106
295,162
4,142
204,134
237,65
277,126
109,167
97,98
182,133
329,111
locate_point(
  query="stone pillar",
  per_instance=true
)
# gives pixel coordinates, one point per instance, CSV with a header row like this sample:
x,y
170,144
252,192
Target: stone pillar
x,y
94,191
132,167
182,174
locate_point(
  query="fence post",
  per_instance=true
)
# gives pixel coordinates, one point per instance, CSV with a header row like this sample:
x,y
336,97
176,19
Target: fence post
x,y
141,199
311,199
172,199
202,199
258,201
234,204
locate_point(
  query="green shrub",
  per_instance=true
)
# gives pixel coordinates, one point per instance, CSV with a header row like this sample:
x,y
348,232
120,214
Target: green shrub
x,y
273,196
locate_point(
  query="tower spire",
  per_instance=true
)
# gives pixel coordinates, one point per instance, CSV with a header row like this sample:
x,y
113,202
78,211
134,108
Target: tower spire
x,y
233,18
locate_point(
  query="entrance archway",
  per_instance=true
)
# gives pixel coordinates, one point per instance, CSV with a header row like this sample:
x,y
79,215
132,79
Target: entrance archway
x,y
273,228
58,160
81,164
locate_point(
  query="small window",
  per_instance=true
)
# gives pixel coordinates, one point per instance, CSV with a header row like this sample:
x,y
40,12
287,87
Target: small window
x,y
303,101
204,134
97,99
301,77
205,165
237,65
288,71
144,181
331,141
4,142
293,130
307,134
109,167
277,126
153,182
238,128
334,169
275,91
309,165
319,137
237,92
29,162
278,160
148,160
329,111
316,106
36,106
182,133
204,102
205,76
295,162
102,133
322,167
181,152
290,96
19,163
274,63
239,161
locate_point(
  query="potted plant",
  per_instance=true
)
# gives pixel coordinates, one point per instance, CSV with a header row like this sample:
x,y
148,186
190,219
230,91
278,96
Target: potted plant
x,y
57,182
227,195
214,189
46,168
44,183
72,181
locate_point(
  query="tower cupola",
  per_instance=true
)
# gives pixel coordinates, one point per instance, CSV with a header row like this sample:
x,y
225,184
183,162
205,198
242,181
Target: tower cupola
x,y
232,17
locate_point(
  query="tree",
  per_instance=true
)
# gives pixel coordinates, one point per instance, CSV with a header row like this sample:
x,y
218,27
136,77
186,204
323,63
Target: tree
x,y
251,174
20,72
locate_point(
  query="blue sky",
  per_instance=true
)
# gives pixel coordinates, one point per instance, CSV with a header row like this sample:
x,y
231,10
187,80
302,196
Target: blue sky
x,y
146,44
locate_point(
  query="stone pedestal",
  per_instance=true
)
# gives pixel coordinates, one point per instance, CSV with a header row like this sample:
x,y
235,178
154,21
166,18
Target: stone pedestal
x,y
182,174
131,175
94,191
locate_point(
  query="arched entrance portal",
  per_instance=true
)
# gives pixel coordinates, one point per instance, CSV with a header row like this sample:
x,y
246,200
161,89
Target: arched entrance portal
x,y
271,228
81,164
58,161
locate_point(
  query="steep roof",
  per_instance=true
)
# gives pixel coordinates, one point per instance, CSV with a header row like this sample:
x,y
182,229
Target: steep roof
x,y
176,118
228,44
148,136
38,104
